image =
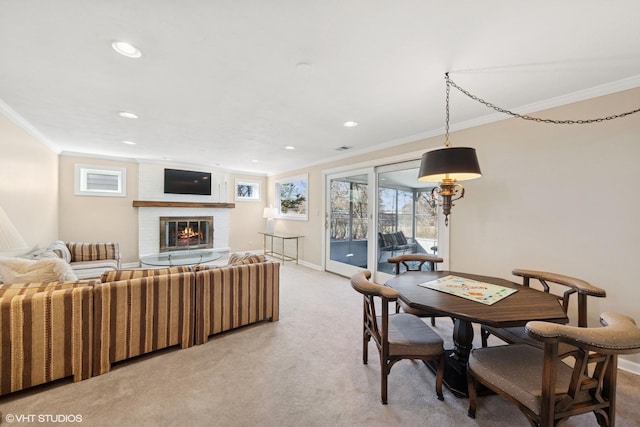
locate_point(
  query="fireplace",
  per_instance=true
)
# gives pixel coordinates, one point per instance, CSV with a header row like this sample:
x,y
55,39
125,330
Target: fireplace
x,y
184,233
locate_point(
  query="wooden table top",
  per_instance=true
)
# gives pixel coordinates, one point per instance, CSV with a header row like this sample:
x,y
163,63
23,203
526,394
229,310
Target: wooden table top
x,y
515,310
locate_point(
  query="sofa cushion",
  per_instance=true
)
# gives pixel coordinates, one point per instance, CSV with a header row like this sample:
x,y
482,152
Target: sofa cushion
x,y
19,270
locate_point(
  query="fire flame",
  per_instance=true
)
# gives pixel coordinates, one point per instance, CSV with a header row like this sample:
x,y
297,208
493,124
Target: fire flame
x,y
188,233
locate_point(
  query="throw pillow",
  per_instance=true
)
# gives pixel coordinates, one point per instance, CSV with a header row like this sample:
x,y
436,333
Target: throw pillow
x,y
18,270
61,249
247,258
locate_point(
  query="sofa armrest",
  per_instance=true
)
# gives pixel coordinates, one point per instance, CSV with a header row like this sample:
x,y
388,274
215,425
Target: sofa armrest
x,y
45,334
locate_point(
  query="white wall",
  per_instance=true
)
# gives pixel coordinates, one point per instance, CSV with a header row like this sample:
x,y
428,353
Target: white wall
x,y
28,185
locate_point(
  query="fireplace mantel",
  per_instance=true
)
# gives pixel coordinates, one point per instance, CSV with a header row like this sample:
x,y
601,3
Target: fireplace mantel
x,y
165,204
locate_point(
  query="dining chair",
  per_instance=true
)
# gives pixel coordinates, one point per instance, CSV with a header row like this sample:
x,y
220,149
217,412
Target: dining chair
x,y
397,336
545,388
583,289
415,262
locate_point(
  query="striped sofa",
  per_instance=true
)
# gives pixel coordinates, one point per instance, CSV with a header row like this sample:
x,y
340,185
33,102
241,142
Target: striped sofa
x,y
87,260
56,330
45,333
90,260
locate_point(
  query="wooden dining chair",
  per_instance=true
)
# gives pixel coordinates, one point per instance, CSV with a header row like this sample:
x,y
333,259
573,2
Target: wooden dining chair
x,y
415,262
581,288
545,388
397,336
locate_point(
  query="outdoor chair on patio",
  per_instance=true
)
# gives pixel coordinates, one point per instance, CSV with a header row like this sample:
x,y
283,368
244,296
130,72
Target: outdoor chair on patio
x,y
546,389
415,262
397,336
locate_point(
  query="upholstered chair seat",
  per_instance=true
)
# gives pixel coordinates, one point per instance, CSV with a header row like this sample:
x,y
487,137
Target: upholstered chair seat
x,y
408,336
548,389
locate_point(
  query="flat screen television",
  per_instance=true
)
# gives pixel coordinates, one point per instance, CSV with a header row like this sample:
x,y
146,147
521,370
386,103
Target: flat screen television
x,y
178,181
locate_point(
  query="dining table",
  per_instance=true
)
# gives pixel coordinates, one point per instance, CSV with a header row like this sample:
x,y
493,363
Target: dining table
x,y
516,309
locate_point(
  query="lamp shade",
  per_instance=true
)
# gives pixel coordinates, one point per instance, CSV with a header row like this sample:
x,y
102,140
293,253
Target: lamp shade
x,y
457,163
10,238
269,213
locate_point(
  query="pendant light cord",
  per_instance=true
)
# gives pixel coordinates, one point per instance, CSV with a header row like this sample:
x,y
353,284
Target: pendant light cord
x,y
446,128
522,116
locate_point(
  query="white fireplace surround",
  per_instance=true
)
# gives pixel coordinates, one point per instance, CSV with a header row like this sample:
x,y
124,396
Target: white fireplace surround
x,y
151,187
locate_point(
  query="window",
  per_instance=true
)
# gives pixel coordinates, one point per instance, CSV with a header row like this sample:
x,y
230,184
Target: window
x,y
100,181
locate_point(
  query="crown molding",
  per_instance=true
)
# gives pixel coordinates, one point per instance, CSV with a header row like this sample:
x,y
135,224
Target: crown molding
x,y
12,115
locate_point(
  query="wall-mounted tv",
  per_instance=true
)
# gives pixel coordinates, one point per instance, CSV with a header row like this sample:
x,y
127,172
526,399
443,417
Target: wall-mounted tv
x,y
178,181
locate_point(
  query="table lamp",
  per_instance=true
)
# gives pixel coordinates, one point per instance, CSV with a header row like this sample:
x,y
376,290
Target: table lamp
x,y
269,213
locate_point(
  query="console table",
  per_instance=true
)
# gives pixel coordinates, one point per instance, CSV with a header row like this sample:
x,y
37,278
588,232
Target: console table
x,y
170,259
283,237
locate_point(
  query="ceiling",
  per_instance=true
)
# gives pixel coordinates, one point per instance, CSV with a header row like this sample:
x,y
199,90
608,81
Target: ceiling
x,y
231,83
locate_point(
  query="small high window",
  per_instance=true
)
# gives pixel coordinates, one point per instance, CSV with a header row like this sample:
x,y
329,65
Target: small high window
x,y
100,181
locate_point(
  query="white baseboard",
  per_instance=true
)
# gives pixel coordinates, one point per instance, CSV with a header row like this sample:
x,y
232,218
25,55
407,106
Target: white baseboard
x,y
628,366
129,265
309,265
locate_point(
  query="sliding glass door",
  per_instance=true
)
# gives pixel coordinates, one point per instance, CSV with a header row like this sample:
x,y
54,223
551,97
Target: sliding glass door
x,y
376,213
407,221
348,222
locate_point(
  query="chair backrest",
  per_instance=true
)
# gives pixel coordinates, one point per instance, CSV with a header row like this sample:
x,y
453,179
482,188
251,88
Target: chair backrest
x,y
592,385
419,259
576,286
360,282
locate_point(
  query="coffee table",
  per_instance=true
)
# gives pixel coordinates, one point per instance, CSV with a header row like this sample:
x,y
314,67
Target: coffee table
x,y
170,259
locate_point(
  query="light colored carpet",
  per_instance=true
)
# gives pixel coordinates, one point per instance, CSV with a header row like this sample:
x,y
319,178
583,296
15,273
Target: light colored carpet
x,y
305,369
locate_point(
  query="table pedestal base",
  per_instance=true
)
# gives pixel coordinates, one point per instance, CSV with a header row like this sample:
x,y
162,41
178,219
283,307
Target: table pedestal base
x,y
455,376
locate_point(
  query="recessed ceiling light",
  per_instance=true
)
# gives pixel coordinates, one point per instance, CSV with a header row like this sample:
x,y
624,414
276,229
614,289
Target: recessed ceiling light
x,y
129,142
304,66
128,115
350,124
289,147
254,161
126,49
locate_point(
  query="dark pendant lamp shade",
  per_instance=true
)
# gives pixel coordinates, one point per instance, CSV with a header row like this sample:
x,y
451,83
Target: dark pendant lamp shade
x,y
456,163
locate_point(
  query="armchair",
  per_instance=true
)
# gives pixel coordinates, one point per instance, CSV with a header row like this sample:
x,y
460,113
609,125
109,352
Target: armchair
x,y
580,287
397,336
547,390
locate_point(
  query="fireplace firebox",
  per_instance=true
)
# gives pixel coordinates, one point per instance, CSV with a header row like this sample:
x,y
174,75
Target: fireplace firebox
x,y
184,233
